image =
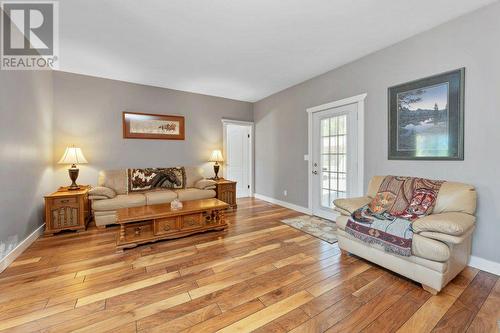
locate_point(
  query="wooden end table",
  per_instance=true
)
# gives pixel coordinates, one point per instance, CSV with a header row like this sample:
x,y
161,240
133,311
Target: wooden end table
x,y
145,224
67,210
226,191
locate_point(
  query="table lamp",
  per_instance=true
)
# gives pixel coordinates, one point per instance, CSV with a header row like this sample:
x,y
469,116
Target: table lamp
x,y
73,156
216,157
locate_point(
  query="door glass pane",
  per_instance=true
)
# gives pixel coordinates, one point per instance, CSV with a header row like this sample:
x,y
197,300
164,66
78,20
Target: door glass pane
x,y
333,168
342,125
333,144
341,163
325,145
325,127
341,144
325,162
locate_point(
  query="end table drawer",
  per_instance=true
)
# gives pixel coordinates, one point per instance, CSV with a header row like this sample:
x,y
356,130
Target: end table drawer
x,y
65,202
165,225
191,221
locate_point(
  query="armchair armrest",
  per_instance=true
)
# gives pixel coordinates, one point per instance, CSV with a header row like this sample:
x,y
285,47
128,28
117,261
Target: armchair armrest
x,y
451,223
204,184
447,238
348,206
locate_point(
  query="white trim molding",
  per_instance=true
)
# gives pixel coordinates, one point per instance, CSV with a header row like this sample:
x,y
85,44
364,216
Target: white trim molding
x,y
285,204
485,265
251,125
20,248
360,100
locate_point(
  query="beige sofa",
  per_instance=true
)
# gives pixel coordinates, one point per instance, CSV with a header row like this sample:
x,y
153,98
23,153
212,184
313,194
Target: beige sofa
x,y
441,243
104,209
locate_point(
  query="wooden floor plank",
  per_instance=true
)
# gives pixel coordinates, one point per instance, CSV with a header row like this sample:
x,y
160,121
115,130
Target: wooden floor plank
x,y
488,318
268,314
465,308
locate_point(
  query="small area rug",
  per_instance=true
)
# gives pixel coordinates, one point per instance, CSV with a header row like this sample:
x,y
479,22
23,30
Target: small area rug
x,y
315,226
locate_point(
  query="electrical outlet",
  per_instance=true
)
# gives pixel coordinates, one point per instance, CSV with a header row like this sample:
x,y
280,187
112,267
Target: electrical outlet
x,y
285,193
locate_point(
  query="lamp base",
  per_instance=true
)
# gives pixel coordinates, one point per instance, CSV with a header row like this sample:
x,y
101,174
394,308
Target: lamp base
x,y
73,175
216,170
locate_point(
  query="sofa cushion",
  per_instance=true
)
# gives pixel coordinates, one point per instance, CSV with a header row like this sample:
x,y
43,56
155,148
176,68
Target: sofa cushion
x,y
120,201
194,194
351,204
456,197
159,197
193,174
421,246
114,179
451,223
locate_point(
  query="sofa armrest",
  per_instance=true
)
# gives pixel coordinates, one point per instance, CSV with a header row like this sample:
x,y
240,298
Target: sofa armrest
x,y
452,223
204,184
98,197
102,191
348,206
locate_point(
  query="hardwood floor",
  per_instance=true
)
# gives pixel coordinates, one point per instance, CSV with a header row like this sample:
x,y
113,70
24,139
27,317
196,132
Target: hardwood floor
x,y
260,275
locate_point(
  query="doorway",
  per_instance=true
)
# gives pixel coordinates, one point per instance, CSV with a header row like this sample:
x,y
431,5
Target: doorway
x,y
238,153
335,154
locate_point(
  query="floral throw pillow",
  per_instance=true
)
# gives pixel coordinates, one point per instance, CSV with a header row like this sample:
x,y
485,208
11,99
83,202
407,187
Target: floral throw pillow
x,y
421,204
381,202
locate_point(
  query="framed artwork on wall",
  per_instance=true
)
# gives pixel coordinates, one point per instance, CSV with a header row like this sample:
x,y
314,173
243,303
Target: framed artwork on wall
x,y
152,126
426,118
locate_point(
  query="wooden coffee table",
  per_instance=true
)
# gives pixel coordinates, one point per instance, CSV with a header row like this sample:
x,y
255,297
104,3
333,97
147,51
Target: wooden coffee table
x,y
144,224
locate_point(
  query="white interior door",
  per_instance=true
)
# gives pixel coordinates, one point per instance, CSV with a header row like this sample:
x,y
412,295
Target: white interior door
x,y
238,146
334,158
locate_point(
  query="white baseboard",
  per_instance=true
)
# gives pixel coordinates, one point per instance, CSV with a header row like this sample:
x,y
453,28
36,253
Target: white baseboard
x,y
283,203
485,265
23,245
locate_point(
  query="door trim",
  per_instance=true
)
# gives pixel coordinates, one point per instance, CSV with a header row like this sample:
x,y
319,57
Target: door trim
x,y
251,125
360,100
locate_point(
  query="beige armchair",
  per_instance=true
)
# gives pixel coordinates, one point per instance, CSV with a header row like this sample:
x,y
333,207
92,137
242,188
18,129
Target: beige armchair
x,y
441,243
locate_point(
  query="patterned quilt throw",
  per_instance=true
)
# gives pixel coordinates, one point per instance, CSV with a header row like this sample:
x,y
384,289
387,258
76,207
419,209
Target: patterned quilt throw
x,y
156,178
387,219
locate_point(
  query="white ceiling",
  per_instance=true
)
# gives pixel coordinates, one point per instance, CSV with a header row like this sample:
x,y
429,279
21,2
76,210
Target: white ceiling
x,y
240,49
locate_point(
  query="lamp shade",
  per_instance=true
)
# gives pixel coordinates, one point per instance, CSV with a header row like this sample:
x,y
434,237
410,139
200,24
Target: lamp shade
x,y
73,155
216,156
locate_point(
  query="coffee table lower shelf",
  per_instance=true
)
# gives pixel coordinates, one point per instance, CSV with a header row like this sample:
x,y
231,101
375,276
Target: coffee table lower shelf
x,y
141,225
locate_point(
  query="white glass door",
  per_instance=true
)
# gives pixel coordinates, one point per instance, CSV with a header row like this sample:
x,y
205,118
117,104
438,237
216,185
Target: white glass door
x,y
334,157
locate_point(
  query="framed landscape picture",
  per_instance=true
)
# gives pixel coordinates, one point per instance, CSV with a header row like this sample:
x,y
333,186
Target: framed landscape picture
x,y
426,118
152,126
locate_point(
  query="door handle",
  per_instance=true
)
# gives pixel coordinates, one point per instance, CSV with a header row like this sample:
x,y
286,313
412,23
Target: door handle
x,y
315,172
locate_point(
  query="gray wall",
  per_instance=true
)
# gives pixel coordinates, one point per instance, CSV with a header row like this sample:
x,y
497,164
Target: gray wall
x,y
471,42
25,153
88,113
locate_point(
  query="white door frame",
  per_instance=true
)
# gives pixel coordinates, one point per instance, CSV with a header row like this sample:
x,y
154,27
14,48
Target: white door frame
x,y
251,125
360,100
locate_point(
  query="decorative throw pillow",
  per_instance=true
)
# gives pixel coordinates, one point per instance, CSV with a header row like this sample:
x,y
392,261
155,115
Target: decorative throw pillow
x,y
102,192
381,202
421,204
156,178
406,197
